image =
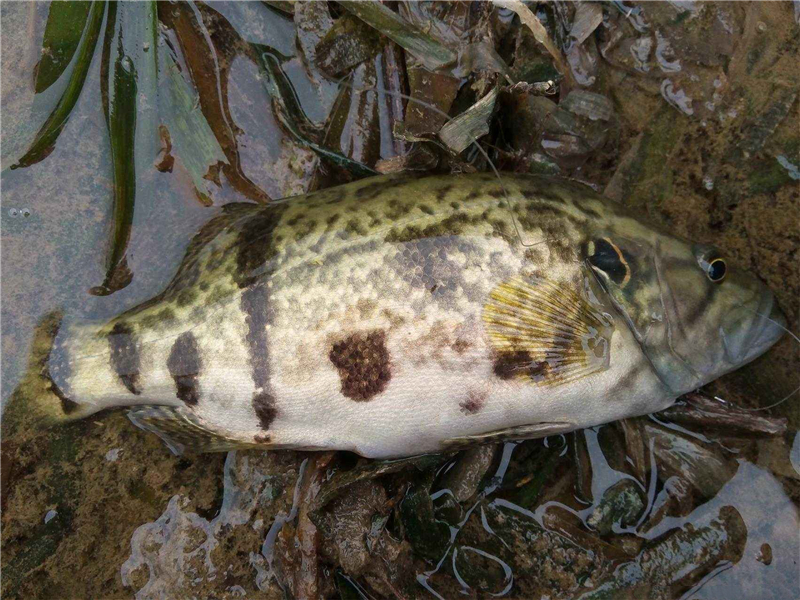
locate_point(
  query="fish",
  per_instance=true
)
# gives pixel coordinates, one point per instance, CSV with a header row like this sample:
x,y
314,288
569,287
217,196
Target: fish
x,y
401,315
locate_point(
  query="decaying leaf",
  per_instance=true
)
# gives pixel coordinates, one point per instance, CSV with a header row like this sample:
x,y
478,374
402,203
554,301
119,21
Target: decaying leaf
x,y
469,125
427,50
539,32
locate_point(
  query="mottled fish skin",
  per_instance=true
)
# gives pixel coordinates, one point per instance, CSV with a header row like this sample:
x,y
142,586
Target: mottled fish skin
x,y
380,317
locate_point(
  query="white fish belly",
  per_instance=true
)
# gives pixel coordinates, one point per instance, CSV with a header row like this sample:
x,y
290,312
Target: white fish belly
x,y
377,364
427,403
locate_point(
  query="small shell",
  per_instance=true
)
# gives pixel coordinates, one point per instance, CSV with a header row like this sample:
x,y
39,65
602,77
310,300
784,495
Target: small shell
x,y
588,104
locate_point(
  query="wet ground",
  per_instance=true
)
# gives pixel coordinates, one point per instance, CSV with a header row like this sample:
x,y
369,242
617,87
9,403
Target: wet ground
x,y
686,109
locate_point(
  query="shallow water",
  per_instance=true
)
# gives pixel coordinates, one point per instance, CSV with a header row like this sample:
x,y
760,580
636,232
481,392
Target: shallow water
x,y
702,135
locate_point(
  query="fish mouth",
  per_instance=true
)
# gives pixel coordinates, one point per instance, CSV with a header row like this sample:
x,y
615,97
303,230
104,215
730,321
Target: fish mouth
x,y
752,331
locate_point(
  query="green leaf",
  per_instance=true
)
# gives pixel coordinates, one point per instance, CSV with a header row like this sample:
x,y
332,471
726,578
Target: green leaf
x,y
290,114
43,143
66,22
128,74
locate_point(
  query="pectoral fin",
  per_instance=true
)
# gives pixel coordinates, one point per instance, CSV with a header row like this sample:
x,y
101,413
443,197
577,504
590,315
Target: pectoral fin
x,y
522,432
545,333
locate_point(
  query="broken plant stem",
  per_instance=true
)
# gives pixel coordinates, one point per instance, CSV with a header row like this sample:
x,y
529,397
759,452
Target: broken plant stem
x,y
540,33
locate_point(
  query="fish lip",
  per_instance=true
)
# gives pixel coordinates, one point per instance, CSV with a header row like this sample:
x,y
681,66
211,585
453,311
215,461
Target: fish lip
x,y
761,335
773,326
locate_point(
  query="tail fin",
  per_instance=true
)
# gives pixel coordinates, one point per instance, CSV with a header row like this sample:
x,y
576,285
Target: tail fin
x,y
37,401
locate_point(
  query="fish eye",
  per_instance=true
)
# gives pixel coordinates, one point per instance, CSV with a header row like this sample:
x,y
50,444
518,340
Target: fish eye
x,y
606,256
716,270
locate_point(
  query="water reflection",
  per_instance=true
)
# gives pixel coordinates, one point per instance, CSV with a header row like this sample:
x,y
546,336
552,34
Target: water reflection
x,y
630,541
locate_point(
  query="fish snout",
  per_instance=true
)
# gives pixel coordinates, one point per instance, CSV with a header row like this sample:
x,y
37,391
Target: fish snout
x,y
752,328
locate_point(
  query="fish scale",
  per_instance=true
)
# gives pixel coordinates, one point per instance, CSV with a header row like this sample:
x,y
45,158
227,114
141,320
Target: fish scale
x,y
395,316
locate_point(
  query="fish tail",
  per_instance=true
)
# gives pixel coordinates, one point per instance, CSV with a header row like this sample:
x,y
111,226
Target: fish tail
x,y
38,401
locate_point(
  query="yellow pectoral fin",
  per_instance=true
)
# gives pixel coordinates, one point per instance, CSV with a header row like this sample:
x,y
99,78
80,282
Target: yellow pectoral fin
x,y
545,333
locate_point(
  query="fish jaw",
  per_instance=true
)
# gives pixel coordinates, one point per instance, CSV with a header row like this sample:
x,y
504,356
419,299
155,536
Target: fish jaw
x,y
746,338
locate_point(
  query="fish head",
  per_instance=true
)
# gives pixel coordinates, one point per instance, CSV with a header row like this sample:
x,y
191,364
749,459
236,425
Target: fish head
x,y
695,316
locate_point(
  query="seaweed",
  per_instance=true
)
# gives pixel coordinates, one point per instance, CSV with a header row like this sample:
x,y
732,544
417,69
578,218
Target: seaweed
x,y
47,135
129,72
62,34
293,118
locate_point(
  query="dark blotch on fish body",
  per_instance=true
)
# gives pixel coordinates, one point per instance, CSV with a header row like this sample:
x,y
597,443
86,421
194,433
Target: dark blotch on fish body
x,y
460,346
442,192
264,406
590,212
473,403
508,365
378,186
184,366
542,194
363,364
373,190
254,304
67,406
255,245
256,248
332,220
125,359
56,369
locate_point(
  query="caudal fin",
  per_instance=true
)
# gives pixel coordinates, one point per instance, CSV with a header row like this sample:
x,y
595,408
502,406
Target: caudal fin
x,y
37,401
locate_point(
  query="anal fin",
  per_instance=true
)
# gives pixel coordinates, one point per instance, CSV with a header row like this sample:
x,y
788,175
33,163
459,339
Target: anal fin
x,y
521,432
181,430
